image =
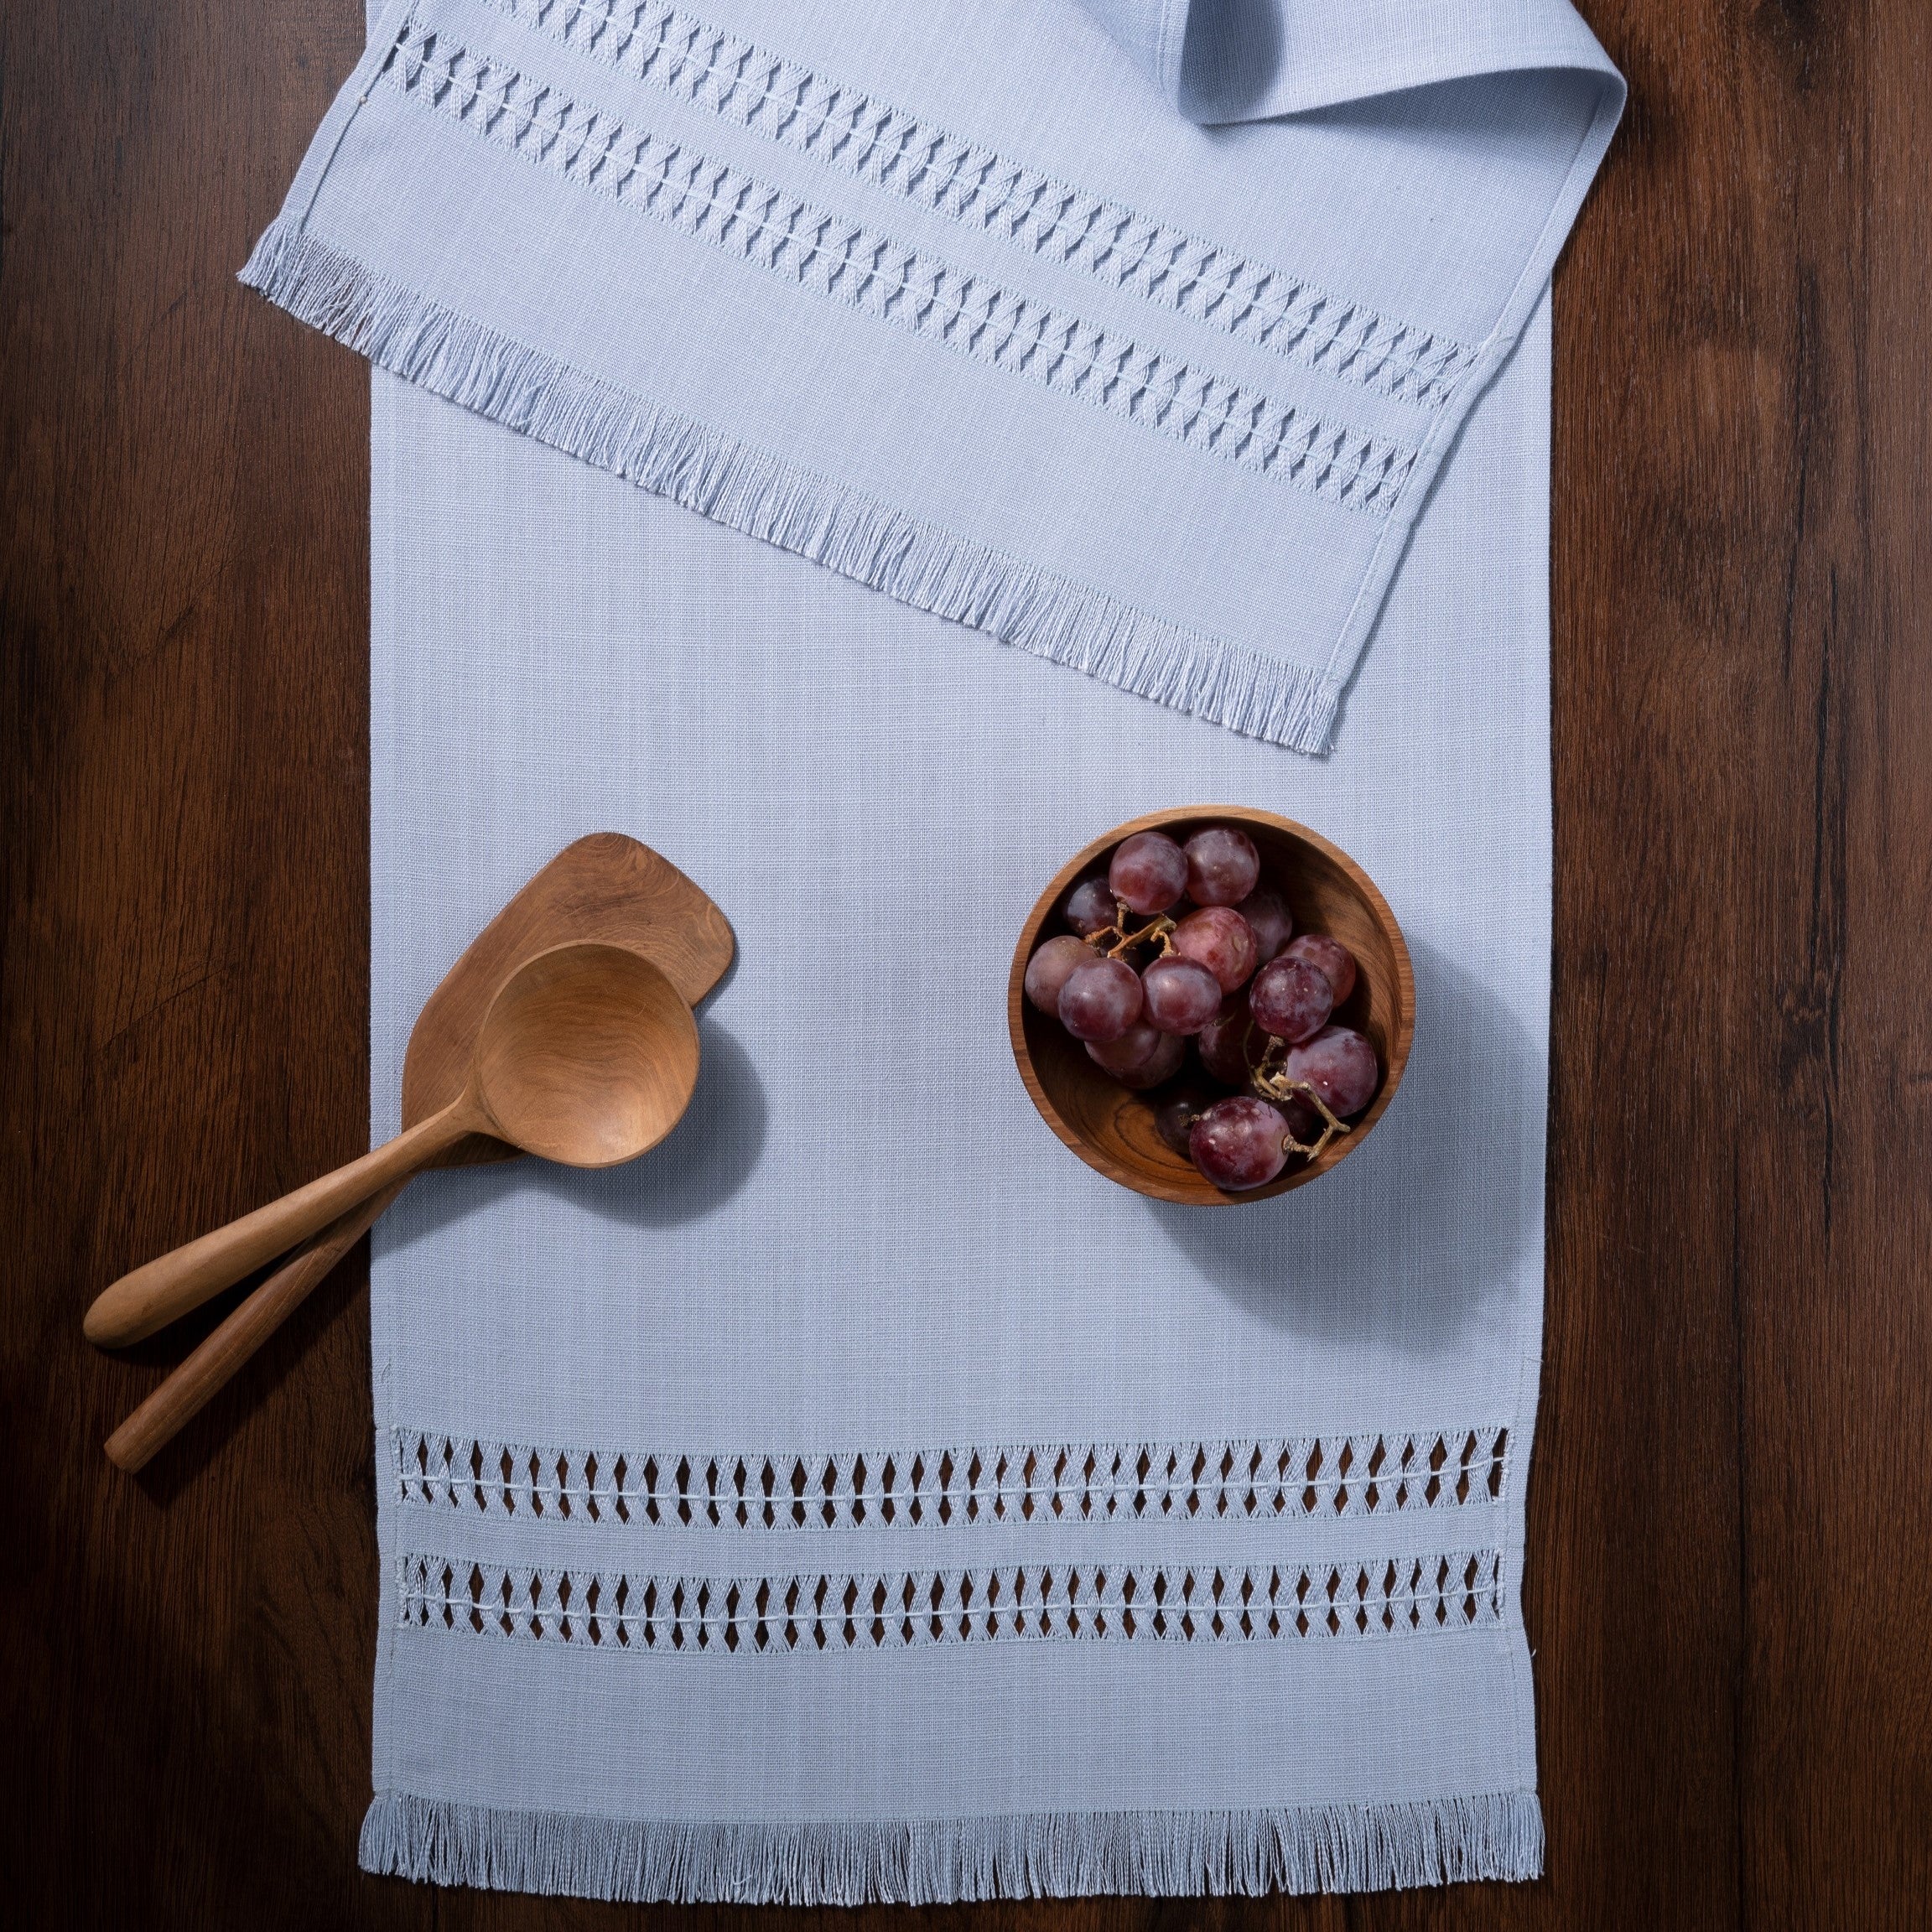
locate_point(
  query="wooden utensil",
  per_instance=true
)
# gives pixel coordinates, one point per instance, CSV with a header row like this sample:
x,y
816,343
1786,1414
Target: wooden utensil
x,y
1111,1129
588,1056
603,887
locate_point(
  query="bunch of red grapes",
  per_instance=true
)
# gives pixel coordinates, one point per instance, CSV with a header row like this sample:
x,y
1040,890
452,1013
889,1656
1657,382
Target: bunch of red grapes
x,y
1180,944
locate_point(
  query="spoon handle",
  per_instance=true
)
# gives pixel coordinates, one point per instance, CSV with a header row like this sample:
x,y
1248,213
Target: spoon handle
x,y
153,1295
193,1383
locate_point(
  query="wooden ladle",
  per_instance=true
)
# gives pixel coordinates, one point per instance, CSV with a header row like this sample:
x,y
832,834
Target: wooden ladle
x,y
588,1055
604,886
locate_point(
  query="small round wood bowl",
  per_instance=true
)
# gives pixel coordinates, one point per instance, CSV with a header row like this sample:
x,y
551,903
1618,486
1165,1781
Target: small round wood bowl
x,y
1111,1129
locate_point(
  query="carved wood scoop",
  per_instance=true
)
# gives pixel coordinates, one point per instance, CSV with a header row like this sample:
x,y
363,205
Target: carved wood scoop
x,y
588,1055
605,886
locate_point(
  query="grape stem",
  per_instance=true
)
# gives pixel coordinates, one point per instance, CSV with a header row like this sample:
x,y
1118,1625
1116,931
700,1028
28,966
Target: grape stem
x,y
1272,1084
1116,940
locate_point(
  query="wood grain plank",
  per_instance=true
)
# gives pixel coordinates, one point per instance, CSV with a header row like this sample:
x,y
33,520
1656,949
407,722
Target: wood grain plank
x,y
182,592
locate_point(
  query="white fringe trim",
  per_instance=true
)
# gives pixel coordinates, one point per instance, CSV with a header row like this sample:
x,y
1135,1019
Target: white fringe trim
x,y
923,1861
1286,703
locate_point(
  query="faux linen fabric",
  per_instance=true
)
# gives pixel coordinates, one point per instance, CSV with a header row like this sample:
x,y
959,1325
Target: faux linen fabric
x,y
951,299
1219,61
859,1497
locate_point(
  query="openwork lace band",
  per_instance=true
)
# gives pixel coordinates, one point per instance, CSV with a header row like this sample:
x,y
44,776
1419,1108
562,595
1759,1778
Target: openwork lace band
x,y
904,154
1285,1478
839,1611
908,287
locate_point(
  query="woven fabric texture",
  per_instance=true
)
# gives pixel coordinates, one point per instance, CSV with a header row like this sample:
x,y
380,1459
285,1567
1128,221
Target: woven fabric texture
x,y
954,302
859,1497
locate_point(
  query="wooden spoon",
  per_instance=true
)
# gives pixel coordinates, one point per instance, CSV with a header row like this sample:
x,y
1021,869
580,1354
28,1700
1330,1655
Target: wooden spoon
x,y
605,886
588,1056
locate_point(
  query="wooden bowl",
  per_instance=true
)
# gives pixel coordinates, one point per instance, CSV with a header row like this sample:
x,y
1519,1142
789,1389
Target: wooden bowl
x,y
1111,1129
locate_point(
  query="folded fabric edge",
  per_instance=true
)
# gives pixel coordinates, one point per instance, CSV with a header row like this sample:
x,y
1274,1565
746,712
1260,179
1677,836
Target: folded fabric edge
x,y
916,563
932,1861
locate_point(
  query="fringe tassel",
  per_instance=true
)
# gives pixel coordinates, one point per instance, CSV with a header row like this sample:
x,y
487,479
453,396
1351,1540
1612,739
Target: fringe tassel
x,y
1285,703
924,1862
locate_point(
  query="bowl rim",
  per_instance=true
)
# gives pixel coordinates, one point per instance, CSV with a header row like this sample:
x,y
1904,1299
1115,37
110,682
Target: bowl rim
x,y
1400,1044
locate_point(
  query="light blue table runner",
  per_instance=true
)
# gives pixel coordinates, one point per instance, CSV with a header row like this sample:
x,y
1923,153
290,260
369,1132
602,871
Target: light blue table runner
x,y
859,1498
950,300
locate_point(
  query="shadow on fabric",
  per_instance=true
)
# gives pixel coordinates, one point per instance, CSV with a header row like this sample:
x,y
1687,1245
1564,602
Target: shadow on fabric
x,y
711,1153
1434,1210
1231,57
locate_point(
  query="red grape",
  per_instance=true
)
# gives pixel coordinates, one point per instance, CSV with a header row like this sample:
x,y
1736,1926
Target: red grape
x,y
1129,1052
1238,1143
1174,1118
1340,1065
1182,995
1329,957
1148,872
1090,907
1266,912
1222,1043
1222,866
1291,999
1101,1000
1049,968
1163,1063
1223,941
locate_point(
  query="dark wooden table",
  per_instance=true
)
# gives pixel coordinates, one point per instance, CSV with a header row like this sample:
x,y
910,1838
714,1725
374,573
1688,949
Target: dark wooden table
x,y
1730,1539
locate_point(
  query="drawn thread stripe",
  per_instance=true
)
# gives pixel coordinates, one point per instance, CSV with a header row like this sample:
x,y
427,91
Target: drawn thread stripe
x,y
1286,1478
707,68
1393,1597
713,201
